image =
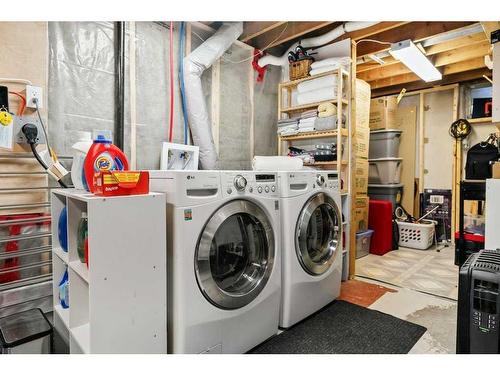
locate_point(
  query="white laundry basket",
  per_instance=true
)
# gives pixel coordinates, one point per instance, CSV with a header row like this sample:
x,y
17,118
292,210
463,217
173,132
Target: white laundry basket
x,y
416,235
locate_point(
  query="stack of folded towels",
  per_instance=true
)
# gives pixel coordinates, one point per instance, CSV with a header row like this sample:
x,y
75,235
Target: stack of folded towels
x,y
317,90
289,126
307,120
327,65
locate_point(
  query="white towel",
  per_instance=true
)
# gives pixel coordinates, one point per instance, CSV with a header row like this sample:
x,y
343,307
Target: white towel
x,y
329,68
306,129
318,83
276,163
345,61
316,96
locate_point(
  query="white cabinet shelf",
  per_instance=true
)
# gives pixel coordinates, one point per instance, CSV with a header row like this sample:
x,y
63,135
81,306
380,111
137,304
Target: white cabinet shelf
x,y
118,303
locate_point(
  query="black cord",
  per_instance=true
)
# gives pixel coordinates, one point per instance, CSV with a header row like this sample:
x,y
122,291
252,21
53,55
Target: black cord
x,y
43,128
42,163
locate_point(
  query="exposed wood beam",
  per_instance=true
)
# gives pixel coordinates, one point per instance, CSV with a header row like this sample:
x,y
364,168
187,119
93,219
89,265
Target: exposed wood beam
x,y
294,30
254,29
488,27
372,30
464,41
464,53
463,66
411,82
416,31
442,59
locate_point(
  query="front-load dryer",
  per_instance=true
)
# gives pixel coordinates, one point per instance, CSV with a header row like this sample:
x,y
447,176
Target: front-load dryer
x,y
224,264
311,218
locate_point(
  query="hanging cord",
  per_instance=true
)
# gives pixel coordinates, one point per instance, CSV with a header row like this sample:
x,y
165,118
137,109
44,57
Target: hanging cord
x,y
21,109
460,129
51,153
372,41
171,62
181,82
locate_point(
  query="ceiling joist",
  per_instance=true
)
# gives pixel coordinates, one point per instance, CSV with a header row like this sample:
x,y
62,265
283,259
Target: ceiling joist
x,y
252,30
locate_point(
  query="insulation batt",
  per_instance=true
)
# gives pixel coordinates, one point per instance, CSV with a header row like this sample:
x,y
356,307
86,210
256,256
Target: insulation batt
x,y
194,65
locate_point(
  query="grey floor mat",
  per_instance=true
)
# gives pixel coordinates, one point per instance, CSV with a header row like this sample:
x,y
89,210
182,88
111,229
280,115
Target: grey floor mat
x,y
345,328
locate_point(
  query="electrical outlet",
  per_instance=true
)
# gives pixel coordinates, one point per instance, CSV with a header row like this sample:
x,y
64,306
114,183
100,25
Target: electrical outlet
x,y
19,122
32,93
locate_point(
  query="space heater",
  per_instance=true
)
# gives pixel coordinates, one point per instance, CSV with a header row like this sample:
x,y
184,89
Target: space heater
x,y
479,304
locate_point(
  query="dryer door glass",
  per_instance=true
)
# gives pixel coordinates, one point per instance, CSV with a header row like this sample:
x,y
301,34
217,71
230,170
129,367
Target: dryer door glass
x,y
318,234
235,255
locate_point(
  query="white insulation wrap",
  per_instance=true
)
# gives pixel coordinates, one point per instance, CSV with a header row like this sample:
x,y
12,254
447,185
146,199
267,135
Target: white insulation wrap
x,y
194,66
316,41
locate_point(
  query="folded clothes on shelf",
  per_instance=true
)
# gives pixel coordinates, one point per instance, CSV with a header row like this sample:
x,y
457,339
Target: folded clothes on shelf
x,y
318,95
318,83
332,61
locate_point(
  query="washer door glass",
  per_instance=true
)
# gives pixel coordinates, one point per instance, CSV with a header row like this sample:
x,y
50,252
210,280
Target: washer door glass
x,y
235,255
318,234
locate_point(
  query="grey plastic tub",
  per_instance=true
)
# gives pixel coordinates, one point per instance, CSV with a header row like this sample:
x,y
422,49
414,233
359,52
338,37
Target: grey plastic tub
x,y
391,193
384,143
385,171
363,240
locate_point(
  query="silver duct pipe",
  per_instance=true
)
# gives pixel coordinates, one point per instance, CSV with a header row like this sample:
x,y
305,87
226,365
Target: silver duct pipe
x,y
194,66
316,41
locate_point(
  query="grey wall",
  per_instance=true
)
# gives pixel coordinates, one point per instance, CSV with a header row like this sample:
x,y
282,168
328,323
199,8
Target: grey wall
x,y
81,92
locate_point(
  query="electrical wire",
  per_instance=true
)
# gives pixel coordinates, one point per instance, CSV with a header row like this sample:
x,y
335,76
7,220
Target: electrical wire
x,y
42,163
44,131
171,62
21,109
181,82
372,41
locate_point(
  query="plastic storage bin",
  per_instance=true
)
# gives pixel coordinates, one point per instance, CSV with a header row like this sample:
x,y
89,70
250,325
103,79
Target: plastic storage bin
x,y
384,143
380,221
416,235
385,171
363,240
27,332
392,193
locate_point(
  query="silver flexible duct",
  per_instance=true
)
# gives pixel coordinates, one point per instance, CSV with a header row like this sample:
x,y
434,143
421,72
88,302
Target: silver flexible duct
x,y
194,65
316,41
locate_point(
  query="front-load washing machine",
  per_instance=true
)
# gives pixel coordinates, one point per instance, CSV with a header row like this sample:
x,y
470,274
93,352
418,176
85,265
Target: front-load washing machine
x,y
223,255
311,222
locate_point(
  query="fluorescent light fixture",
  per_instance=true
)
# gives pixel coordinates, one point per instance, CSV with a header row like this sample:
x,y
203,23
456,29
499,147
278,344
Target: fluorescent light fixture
x,y
409,54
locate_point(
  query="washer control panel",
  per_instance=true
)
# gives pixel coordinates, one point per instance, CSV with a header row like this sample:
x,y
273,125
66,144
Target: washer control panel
x,y
236,183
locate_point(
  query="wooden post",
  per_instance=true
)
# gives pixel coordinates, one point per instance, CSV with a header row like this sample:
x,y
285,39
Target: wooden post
x,y
457,171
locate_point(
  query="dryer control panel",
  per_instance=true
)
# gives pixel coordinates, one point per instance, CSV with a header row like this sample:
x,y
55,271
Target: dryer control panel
x,y
237,183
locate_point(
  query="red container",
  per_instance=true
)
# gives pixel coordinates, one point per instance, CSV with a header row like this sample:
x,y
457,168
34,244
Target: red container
x,y
113,183
380,220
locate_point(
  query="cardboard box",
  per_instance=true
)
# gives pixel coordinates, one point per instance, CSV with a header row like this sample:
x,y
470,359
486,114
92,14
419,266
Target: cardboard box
x,y
360,176
495,168
383,113
361,142
363,96
360,212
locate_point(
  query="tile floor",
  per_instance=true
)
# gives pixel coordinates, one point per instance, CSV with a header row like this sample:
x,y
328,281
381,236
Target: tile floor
x,y
430,271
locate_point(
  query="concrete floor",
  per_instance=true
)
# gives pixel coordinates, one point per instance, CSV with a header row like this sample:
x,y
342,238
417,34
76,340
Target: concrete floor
x,y
437,314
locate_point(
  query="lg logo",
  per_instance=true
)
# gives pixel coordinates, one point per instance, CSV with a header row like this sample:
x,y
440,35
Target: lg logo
x,y
189,177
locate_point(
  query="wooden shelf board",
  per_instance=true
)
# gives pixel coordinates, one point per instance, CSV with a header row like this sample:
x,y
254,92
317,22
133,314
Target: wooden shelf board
x,y
311,105
61,254
478,120
80,269
297,81
315,134
81,335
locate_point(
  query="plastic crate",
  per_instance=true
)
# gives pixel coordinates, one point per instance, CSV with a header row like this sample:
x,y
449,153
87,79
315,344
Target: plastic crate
x,y
384,143
416,235
363,240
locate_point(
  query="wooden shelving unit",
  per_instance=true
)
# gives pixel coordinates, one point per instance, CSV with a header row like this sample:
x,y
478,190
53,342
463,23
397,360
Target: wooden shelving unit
x,y
126,278
341,136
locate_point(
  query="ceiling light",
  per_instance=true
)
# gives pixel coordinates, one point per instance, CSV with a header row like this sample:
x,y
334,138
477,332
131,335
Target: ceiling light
x,y
409,54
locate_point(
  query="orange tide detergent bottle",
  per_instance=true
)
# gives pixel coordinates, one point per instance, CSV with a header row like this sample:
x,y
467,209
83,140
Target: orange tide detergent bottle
x,y
103,156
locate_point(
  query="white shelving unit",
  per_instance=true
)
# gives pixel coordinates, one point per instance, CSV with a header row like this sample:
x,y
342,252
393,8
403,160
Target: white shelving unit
x,y
119,303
